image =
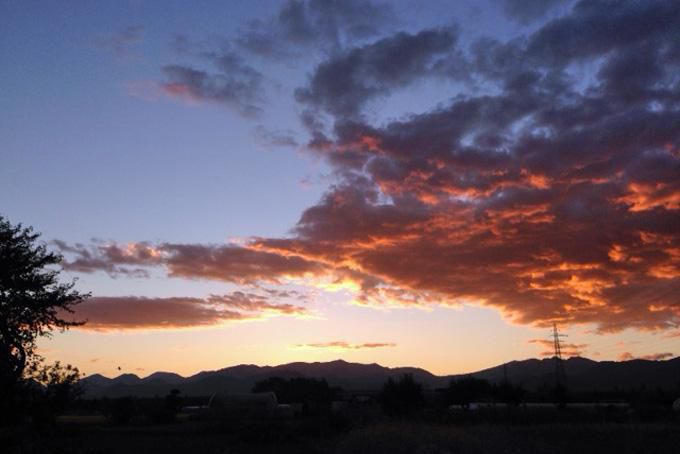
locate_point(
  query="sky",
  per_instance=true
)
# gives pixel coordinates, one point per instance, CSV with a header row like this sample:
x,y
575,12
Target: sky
x,y
430,184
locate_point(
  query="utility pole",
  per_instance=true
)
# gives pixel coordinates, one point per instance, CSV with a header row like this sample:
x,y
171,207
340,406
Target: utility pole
x,y
560,375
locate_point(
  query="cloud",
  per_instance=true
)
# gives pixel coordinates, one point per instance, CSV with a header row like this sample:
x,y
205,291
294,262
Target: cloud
x,y
134,313
586,31
310,24
113,259
527,11
567,349
232,82
299,26
658,356
233,263
227,263
628,356
550,190
342,345
548,194
342,84
275,139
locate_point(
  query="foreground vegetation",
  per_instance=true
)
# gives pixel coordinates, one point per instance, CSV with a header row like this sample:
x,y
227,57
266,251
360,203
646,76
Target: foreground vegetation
x,y
461,418
382,437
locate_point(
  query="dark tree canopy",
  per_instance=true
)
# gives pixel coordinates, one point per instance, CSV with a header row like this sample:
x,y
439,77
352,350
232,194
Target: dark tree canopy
x,y
298,389
467,390
402,397
32,300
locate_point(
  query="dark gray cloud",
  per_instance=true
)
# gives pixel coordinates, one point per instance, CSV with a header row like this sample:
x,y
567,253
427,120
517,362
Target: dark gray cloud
x,y
116,260
526,11
342,84
227,263
594,28
324,25
231,82
233,263
321,24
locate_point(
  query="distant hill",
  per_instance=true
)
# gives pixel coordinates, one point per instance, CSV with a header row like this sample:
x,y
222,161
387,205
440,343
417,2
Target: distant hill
x,y
582,374
587,375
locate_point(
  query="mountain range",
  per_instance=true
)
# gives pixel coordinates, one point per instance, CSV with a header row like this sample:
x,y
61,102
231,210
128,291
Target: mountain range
x,y
582,374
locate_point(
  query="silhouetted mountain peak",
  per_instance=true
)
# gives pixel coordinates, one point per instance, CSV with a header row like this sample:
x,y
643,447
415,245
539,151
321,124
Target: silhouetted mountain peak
x,y
167,377
126,379
96,380
582,373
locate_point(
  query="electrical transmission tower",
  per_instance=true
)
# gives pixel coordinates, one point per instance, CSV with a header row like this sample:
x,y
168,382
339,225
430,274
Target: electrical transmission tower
x,y
560,375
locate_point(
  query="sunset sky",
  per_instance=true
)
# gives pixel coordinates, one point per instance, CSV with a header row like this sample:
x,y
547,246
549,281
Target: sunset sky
x,y
411,183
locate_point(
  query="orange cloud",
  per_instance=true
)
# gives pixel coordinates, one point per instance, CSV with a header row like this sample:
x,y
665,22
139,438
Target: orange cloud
x,y
641,196
342,345
567,349
628,356
658,356
134,313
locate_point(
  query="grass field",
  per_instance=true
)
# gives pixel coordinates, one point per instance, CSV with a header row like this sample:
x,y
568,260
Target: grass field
x,y
87,437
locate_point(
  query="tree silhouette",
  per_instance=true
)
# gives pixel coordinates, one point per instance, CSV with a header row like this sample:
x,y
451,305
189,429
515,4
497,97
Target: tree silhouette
x,y
467,390
298,389
54,388
508,392
402,397
165,410
32,303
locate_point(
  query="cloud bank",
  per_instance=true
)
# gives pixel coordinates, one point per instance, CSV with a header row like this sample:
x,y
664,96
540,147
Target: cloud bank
x,y
548,189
